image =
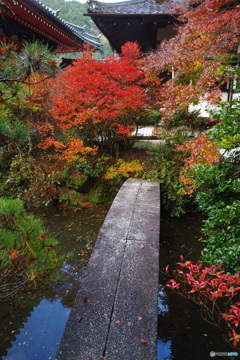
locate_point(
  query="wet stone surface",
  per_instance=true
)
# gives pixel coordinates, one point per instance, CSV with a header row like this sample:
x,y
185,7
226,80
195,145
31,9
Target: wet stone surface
x,y
115,312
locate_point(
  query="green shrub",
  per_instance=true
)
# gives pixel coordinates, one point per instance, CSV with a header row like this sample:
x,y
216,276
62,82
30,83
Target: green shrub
x,y
222,231
34,180
164,166
215,183
218,189
94,167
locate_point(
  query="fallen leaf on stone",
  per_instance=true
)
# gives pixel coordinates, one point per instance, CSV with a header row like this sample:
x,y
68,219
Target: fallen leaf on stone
x,y
85,299
139,318
143,340
117,322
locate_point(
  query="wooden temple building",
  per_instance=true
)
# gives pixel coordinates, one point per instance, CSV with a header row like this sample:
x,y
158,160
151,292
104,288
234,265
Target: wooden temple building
x,y
147,22
29,20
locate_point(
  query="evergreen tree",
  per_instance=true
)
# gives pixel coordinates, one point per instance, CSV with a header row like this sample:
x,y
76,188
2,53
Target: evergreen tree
x,y
73,11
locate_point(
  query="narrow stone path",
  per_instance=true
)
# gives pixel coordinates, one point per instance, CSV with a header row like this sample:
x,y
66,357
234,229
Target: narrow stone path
x,y
114,316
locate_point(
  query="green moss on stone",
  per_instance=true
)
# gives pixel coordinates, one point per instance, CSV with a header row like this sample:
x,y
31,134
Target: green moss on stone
x,y
80,183
103,193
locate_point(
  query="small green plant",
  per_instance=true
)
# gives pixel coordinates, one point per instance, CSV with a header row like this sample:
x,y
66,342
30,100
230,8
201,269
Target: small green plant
x,y
27,253
94,167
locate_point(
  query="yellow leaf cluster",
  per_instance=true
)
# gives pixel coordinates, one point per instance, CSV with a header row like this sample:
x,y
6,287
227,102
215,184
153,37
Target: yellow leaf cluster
x,y
124,168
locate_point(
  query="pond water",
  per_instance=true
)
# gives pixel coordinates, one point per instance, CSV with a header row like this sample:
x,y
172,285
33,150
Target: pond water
x,y
34,329
182,333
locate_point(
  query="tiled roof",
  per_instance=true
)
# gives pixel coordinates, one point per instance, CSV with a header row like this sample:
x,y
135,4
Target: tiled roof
x,y
77,32
132,7
80,32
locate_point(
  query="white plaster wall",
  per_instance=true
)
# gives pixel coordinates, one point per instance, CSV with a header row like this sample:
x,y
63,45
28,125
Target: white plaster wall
x,y
204,105
144,131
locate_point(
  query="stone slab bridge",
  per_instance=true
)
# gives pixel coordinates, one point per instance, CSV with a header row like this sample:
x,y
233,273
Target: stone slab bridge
x,y
114,316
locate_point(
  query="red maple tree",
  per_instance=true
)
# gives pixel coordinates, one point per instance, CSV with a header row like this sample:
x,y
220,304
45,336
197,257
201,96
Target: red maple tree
x,y
200,151
94,101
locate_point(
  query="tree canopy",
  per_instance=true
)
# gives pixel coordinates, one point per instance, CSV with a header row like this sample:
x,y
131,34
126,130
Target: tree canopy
x,y
196,57
97,100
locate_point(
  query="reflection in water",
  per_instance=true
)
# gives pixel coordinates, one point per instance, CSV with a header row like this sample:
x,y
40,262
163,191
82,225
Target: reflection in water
x,y
38,338
33,327
164,349
164,339
182,333
163,307
33,330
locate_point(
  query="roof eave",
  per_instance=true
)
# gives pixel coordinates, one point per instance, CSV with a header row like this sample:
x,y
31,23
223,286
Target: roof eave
x,y
131,15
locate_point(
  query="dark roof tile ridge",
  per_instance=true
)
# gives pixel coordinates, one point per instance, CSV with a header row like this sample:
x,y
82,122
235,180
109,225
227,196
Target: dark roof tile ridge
x,y
93,37
79,32
75,26
119,3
